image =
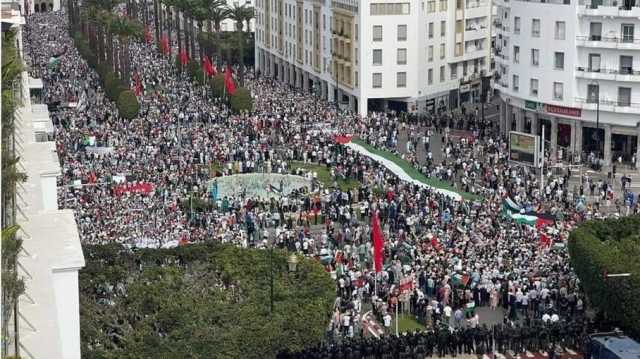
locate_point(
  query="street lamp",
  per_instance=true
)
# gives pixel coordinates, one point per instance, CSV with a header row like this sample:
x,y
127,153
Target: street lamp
x,y
595,94
293,263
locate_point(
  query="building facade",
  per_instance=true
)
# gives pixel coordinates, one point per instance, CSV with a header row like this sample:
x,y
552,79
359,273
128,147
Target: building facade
x,y
45,322
375,55
571,67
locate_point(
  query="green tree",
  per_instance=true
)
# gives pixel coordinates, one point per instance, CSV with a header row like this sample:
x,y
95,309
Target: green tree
x,y
217,85
610,246
217,14
128,105
241,100
201,300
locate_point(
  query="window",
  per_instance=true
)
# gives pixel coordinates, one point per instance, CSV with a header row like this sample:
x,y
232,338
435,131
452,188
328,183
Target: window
x,y
389,9
377,57
402,56
430,76
458,51
558,91
430,53
459,27
443,5
464,68
442,51
627,32
516,85
535,27
453,68
558,60
402,32
560,30
401,79
431,6
441,73
626,65
377,32
535,57
377,80
516,25
624,96
595,31
594,62
431,30
516,54
533,86
443,28
593,93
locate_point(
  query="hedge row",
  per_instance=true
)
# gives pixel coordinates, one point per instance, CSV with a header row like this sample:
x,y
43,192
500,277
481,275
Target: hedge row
x,y
610,247
116,90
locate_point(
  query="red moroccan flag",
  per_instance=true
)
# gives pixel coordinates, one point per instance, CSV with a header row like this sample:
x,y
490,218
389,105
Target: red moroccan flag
x,y
207,67
166,48
138,86
228,81
378,242
184,57
147,35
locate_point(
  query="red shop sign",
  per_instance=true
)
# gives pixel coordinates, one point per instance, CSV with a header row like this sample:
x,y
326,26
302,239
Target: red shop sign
x,y
564,111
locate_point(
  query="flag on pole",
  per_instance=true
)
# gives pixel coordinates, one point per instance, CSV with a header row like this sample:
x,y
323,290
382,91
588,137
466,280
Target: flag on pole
x,y
166,49
378,242
228,81
184,57
138,84
207,67
147,35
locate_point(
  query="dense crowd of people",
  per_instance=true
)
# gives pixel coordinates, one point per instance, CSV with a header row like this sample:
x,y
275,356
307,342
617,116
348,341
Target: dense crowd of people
x,y
458,254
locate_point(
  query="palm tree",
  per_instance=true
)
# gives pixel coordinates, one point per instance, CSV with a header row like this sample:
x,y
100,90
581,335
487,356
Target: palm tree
x,y
240,13
156,20
125,29
199,12
217,14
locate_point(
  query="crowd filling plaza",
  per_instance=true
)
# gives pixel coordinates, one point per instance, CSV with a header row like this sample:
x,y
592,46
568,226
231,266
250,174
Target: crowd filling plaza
x,y
444,256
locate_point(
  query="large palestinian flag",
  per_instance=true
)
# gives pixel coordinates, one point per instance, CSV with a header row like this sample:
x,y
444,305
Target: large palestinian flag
x,y
511,209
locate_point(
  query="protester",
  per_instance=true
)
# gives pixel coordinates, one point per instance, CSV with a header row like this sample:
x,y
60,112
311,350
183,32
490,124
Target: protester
x,y
147,183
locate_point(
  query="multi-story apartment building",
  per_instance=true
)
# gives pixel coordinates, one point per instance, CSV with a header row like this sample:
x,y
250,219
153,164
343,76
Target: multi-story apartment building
x,y
572,66
374,55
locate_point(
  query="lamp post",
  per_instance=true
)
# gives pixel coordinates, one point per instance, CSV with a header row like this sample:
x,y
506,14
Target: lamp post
x,y
271,278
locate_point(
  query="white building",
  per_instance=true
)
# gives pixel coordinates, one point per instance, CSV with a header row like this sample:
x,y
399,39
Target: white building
x,y
374,55
574,67
230,25
48,317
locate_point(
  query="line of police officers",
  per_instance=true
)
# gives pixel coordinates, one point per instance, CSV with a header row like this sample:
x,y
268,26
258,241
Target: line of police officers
x,y
534,336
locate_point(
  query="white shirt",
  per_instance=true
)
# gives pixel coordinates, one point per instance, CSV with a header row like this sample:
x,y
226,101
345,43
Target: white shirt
x,y
447,311
546,318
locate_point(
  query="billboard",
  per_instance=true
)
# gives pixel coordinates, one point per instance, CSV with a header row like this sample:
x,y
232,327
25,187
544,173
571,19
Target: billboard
x,y
523,148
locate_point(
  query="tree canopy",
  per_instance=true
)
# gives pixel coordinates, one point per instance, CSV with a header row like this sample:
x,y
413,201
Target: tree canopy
x,y
610,246
199,301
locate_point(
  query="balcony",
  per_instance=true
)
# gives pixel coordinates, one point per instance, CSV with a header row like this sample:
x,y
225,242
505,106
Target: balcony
x,y
554,2
608,105
624,74
611,8
610,42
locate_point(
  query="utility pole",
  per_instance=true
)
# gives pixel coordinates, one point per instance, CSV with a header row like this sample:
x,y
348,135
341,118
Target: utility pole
x,y
542,163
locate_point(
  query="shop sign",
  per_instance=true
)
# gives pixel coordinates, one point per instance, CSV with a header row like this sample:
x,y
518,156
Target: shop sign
x,y
465,88
564,111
